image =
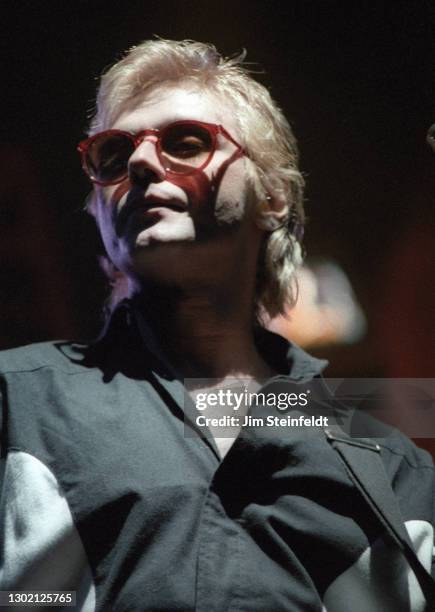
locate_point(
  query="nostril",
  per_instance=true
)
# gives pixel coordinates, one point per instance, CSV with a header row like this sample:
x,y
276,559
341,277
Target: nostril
x,y
141,174
145,164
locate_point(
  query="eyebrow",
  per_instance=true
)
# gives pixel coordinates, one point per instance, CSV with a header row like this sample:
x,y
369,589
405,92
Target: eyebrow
x,y
172,118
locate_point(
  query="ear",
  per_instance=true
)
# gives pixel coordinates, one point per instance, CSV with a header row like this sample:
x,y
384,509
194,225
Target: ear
x,y
272,212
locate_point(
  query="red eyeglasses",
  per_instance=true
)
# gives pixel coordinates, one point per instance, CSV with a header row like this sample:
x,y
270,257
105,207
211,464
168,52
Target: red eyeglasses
x,y
182,147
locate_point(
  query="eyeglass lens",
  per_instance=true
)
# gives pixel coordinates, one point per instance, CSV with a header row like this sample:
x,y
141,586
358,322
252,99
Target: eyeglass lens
x,y
181,148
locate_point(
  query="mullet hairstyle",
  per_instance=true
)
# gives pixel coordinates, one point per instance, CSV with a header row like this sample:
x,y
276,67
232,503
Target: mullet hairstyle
x,y
272,162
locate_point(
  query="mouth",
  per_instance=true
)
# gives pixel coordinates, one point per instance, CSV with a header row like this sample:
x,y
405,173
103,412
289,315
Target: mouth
x,y
157,204
151,202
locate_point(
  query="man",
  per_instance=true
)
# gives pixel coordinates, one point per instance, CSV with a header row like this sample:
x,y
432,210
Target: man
x,y
106,490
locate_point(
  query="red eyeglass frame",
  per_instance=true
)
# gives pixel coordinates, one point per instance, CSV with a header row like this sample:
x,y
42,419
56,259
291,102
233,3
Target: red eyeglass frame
x,y
212,128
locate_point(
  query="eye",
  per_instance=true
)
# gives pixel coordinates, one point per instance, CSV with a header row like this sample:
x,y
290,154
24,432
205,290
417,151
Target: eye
x,y
186,146
108,156
186,141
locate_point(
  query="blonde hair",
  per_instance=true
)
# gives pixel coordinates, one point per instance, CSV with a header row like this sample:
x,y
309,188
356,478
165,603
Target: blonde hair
x,y
272,160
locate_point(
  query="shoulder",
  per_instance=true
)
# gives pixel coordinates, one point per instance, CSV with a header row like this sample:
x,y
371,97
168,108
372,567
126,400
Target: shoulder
x,y
411,472
396,447
398,452
399,446
44,392
410,469
59,354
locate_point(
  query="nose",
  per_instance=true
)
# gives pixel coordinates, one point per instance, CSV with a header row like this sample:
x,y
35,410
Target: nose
x,y
144,163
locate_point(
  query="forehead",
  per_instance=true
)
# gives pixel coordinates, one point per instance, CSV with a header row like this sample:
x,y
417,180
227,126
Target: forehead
x,y
165,104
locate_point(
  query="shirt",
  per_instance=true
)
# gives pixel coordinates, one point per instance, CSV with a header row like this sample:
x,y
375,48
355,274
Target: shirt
x,y
103,493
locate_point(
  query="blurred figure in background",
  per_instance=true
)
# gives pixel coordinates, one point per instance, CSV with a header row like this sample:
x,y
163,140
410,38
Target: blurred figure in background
x,y
326,312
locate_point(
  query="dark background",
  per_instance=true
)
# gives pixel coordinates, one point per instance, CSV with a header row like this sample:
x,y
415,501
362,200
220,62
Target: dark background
x,y
356,80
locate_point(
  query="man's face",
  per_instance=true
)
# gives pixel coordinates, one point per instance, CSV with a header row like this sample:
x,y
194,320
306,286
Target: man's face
x,y
152,219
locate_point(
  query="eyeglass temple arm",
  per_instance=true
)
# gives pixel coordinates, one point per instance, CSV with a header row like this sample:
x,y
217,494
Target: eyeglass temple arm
x,y
223,131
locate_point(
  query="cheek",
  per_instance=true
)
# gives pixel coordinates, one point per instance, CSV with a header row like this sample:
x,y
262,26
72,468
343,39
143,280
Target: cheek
x,y
222,194
105,222
233,201
228,210
197,186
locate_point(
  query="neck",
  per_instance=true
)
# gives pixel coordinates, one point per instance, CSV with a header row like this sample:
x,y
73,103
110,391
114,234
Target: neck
x,y
206,331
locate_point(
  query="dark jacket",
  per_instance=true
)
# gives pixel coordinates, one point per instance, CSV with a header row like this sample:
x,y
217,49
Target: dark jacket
x,y
105,494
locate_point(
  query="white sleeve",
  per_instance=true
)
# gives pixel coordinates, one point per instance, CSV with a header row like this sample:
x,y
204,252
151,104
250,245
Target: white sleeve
x,y
40,548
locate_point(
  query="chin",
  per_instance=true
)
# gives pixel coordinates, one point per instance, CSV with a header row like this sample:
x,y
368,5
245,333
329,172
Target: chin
x,y
156,251
154,238
165,231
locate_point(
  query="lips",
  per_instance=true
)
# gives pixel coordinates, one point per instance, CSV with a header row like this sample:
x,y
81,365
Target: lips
x,y
153,202
170,205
